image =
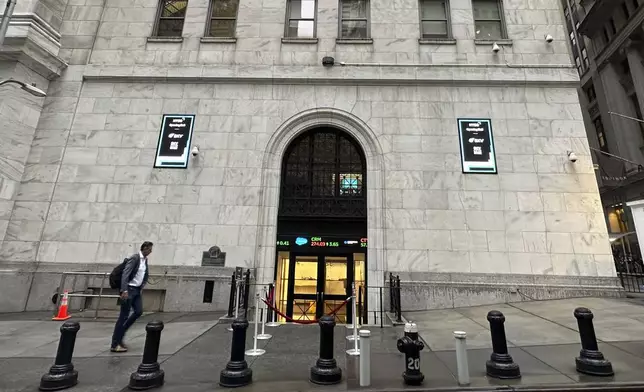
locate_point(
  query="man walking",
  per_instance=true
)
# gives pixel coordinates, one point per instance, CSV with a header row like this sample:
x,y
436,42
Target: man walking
x,y
135,276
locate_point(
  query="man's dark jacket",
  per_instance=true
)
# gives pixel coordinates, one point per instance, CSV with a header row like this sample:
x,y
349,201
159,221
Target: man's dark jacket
x,y
130,270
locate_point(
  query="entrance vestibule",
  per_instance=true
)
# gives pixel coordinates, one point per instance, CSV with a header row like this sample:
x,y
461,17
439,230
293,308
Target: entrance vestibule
x,y
322,226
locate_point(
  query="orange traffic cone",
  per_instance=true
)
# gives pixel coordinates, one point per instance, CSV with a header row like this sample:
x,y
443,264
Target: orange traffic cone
x,y
62,310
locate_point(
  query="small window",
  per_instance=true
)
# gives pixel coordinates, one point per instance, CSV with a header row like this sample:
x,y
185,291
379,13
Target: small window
x,y
300,21
488,18
434,19
601,137
584,54
223,18
578,63
170,18
591,94
354,19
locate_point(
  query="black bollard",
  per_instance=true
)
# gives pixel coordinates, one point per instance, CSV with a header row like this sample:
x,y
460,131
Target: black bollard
x,y
391,292
270,316
62,374
411,346
326,370
500,364
231,298
398,301
590,361
149,374
246,292
237,373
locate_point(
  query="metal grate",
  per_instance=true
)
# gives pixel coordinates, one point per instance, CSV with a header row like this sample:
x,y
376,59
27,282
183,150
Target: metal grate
x,y
323,175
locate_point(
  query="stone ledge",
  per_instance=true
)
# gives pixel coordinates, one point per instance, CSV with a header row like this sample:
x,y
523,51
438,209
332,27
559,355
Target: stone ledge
x,y
165,39
287,40
385,74
437,41
218,40
354,41
500,42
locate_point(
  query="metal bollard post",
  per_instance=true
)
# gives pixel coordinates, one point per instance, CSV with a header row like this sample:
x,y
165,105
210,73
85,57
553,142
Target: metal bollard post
x,y
391,292
264,312
237,373
365,358
237,295
269,299
62,374
273,319
149,374
398,301
231,299
461,358
326,370
501,365
255,352
411,346
246,292
591,361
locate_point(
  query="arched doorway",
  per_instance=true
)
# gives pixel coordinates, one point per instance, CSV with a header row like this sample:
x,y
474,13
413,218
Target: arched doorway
x,y
322,225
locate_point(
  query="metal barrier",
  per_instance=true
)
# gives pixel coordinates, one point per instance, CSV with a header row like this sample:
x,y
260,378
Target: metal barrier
x,y
104,276
632,283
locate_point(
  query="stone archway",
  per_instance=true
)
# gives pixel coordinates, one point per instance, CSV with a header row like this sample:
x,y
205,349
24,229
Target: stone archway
x,y
270,185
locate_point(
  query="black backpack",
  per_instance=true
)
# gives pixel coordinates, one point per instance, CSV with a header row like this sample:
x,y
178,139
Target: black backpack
x,y
117,274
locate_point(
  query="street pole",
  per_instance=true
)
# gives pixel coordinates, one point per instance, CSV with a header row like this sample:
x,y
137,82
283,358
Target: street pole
x,y
6,17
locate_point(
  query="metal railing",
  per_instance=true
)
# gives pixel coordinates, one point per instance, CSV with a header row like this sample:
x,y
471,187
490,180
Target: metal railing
x,y
104,276
632,282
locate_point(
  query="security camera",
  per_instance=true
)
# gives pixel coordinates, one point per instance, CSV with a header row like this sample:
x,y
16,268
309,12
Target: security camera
x,y
549,38
572,157
496,48
195,151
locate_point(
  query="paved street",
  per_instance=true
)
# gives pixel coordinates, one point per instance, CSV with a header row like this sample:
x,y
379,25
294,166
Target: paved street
x,y
194,348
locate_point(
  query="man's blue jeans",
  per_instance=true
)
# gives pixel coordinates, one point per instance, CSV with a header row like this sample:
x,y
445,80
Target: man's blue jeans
x,y
126,319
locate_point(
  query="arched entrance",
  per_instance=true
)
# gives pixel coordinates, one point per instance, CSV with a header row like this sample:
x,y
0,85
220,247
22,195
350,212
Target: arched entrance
x,y
322,224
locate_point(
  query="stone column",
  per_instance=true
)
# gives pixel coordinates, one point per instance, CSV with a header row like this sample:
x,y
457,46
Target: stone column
x,y
637,209
637,73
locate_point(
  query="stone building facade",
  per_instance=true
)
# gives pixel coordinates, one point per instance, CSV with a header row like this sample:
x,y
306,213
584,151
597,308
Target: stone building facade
x,y
79,190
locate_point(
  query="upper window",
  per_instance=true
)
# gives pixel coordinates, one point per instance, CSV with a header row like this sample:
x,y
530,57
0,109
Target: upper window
x,y
170,18
354,19
434,19
223,18
488,18
300,21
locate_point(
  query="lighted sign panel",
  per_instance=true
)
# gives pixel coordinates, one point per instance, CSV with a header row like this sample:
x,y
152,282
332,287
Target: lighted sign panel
x,y
173,148
477,146
320,242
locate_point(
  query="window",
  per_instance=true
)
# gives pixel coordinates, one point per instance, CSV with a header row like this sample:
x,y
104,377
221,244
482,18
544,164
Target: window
x,y
354,19
578,63
434,18
591,94
223,18
572,39
170,18
584,54
601,137
301,19
488,18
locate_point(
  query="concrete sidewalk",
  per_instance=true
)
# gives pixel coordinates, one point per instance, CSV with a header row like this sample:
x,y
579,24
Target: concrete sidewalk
x,y
194,349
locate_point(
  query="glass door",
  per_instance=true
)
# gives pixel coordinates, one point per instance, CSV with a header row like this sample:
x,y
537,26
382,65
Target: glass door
x,y
305,289
336,286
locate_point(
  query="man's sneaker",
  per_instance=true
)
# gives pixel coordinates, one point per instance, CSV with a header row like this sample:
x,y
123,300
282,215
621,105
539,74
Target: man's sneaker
x,y
124,346
118,349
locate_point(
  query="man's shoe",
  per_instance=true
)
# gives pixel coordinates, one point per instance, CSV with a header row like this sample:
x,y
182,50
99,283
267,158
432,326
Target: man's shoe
x,y
123,345
118,349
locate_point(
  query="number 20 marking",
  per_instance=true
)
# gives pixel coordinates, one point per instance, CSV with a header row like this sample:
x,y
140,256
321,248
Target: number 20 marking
x,y
413,363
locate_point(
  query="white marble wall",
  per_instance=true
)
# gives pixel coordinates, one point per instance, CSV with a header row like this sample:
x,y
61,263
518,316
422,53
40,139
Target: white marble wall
x,y
540,215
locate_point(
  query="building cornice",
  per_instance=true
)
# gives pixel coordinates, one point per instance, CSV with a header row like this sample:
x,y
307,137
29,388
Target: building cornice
x,y
620,39
595,16
33,42
466,75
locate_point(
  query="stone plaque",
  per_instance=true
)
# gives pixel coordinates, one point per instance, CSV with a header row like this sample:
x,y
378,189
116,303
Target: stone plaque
x,y
213,257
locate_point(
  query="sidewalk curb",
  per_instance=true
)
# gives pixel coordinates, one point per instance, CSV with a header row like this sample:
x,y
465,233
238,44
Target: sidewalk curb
x,y
604,387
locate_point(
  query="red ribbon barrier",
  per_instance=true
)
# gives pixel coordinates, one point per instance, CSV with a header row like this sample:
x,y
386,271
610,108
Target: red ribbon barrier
x,y
333,312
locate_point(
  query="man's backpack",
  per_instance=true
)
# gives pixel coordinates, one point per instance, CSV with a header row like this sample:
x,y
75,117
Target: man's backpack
x,y
117,275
